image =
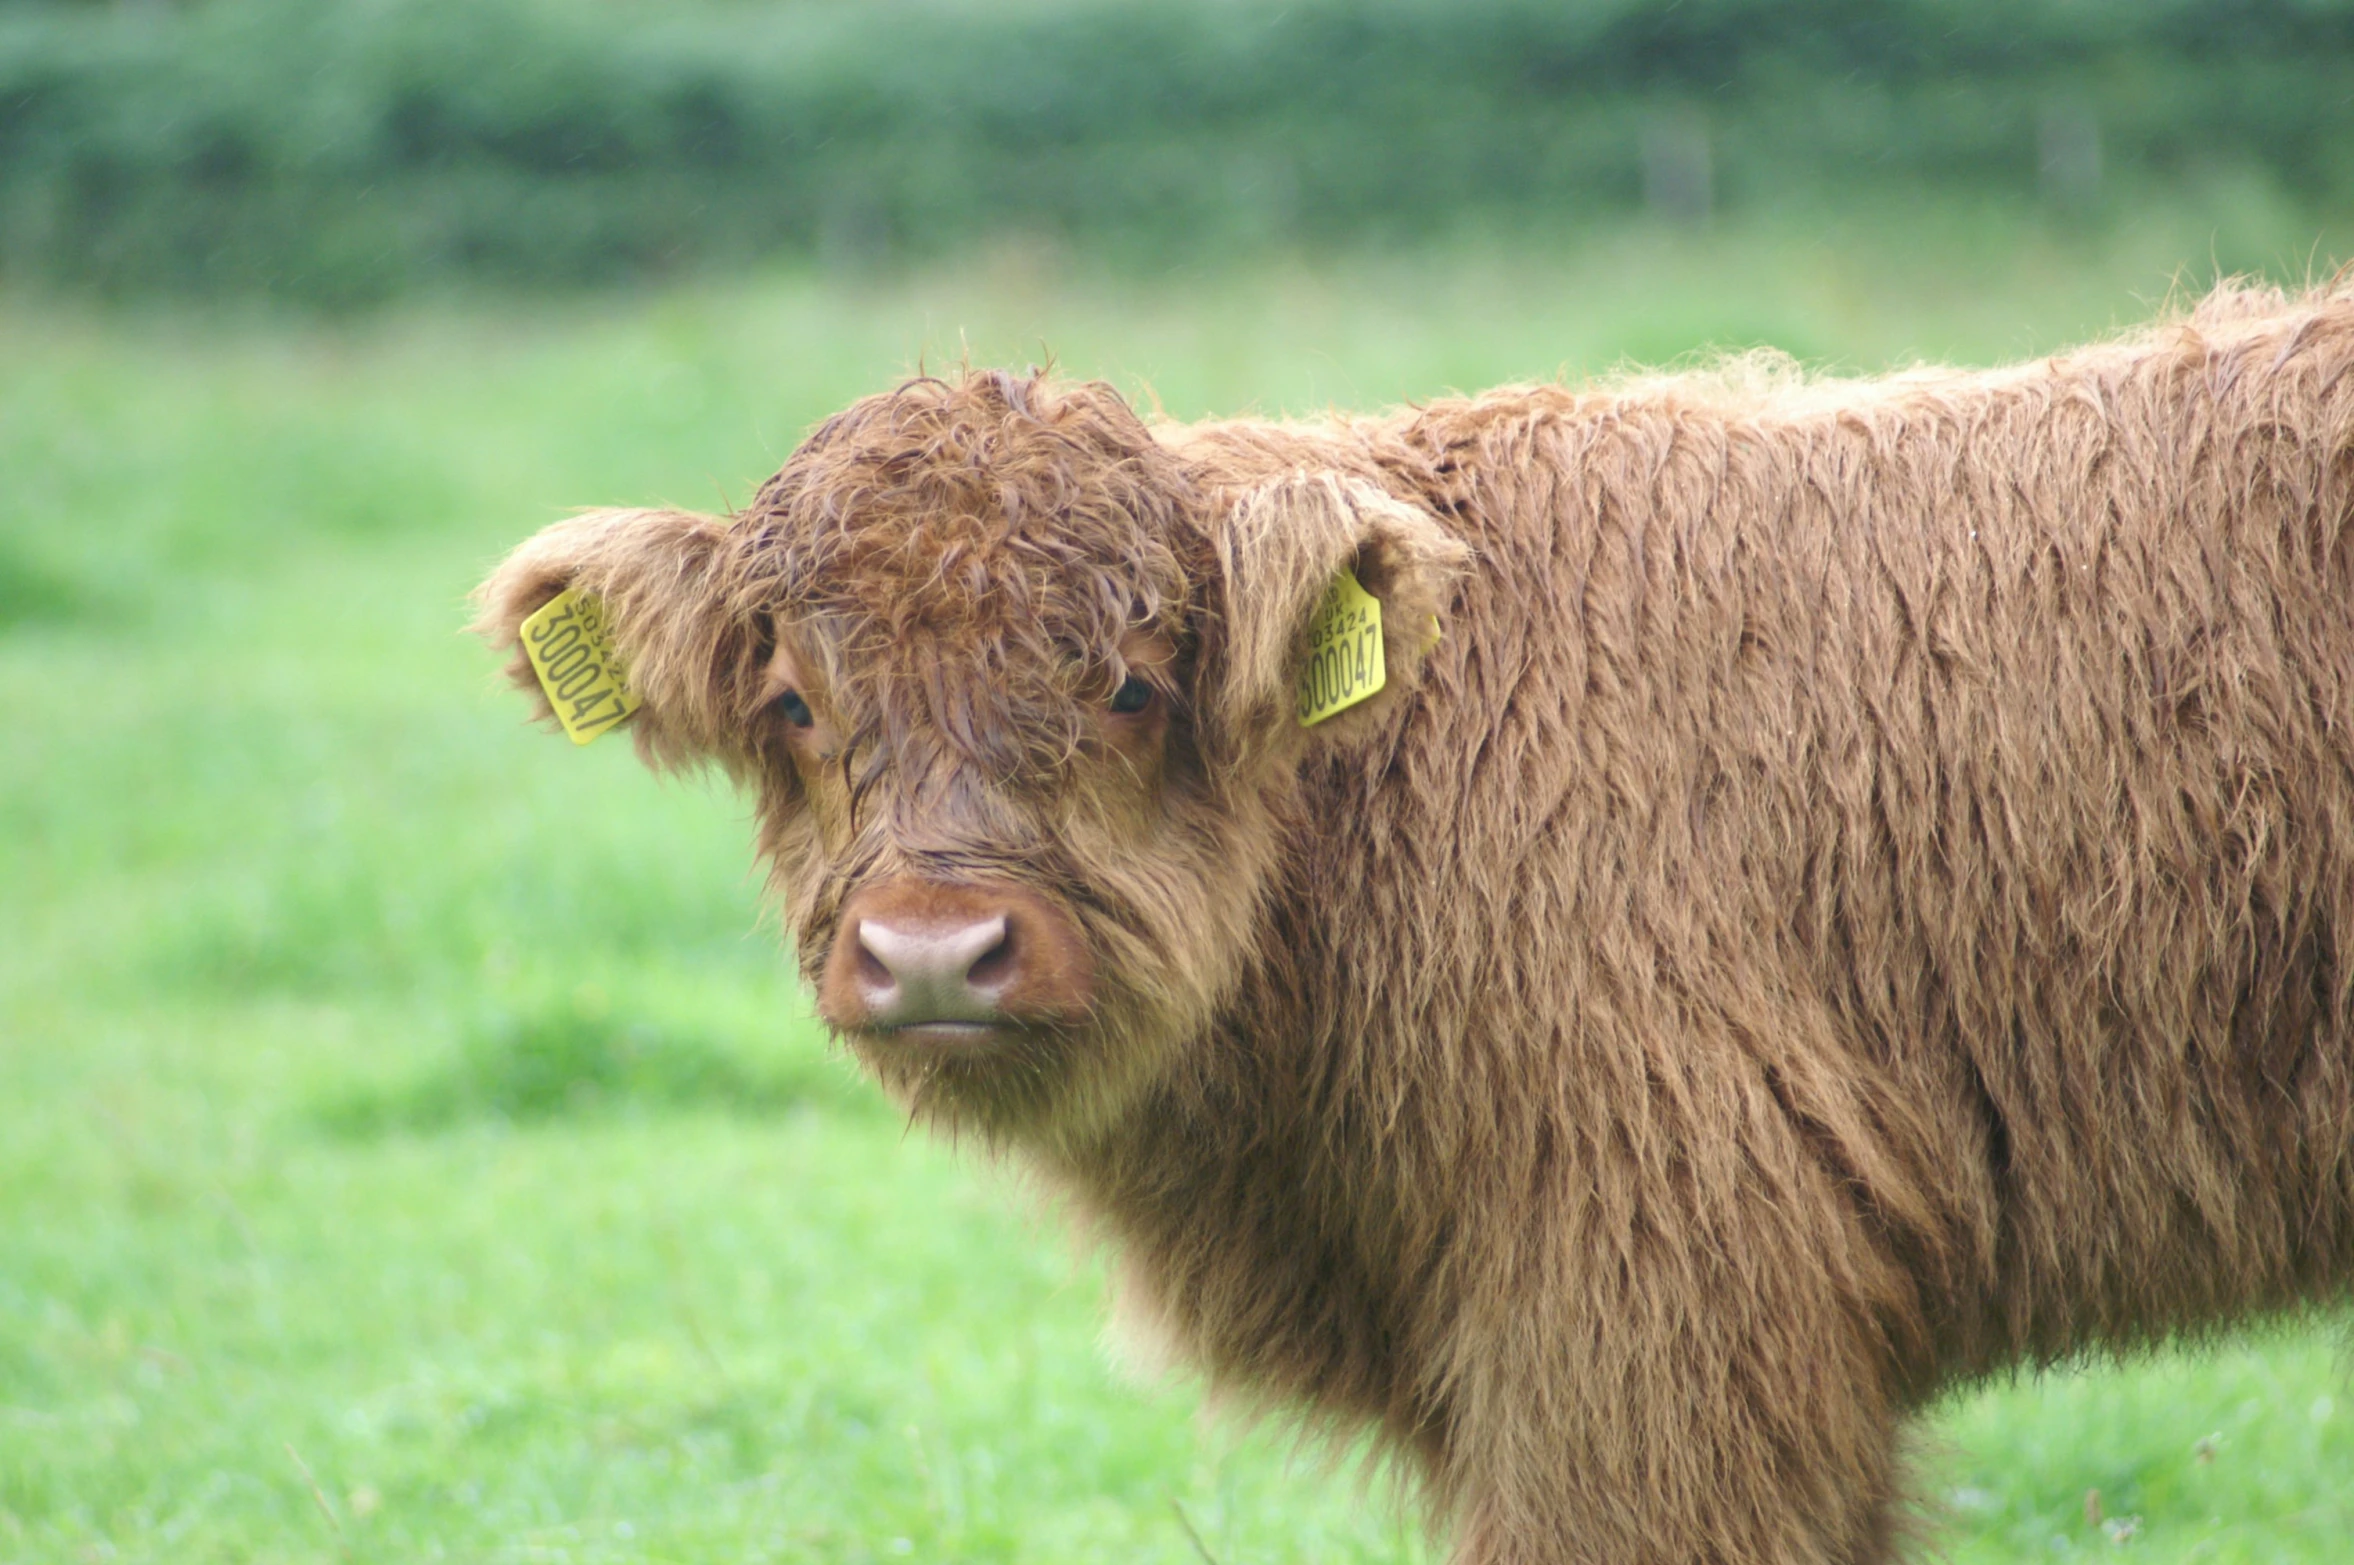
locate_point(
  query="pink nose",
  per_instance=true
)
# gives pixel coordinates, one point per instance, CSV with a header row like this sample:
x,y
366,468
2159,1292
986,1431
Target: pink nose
x,y
930,959
913,974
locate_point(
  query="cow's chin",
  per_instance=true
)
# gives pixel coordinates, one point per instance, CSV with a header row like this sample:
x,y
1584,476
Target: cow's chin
x,y
1034,1083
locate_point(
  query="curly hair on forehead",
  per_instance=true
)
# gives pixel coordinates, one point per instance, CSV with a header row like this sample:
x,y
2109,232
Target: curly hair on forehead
x,y
990,505
971,546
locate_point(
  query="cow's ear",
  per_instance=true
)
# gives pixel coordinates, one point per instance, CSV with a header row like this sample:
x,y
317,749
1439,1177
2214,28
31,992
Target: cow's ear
x,y
1282,547
663,581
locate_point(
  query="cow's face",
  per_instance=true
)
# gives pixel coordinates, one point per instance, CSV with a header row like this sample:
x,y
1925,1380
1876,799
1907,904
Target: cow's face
x,y
1012,681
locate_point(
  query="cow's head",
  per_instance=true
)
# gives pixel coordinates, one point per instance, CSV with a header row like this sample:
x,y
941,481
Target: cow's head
x,y
1013,683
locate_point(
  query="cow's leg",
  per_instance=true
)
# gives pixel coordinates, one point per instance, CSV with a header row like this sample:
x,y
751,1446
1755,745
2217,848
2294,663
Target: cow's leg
x,y
1718,1388
1773,1462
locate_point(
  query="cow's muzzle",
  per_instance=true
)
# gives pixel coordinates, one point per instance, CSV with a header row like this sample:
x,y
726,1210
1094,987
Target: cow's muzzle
x,y
946,963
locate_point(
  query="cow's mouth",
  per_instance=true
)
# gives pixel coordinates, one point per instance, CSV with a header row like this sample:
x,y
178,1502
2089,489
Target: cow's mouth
x,y
947,1033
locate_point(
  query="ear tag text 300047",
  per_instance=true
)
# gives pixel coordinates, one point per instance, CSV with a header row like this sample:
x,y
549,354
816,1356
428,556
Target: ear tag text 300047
x,y
1344,651
571,650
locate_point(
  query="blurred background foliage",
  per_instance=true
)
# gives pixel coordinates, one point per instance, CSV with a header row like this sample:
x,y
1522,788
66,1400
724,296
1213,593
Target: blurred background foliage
x,y
340,153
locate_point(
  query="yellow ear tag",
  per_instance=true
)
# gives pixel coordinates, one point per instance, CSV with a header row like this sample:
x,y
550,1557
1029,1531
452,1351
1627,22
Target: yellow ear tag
x,y
1344,651
572,652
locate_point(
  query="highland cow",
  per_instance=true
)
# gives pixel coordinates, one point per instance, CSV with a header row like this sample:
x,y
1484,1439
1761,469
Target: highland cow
x,y
1844,886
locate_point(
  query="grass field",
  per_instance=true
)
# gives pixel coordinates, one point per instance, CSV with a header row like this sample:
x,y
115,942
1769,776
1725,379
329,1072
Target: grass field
x,y
411,1144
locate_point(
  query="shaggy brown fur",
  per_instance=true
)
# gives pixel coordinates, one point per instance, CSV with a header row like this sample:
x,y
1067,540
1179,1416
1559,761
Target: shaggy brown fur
x,y
1862,892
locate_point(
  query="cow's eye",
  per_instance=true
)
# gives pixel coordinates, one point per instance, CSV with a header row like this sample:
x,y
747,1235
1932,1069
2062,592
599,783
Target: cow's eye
x,y
793,709
1134,695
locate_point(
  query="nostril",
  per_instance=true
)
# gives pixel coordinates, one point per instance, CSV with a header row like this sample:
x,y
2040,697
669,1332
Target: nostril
x,y
874,975
994,967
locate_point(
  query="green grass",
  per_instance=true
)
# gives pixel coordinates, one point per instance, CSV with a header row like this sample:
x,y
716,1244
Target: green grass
x,y
399,1104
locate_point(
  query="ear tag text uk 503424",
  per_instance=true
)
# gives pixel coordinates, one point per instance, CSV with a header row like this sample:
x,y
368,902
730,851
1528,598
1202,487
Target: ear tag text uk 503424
x,y
571,649
1344,651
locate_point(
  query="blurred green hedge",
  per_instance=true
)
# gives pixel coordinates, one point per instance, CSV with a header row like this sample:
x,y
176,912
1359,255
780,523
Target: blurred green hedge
x,y
340,150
